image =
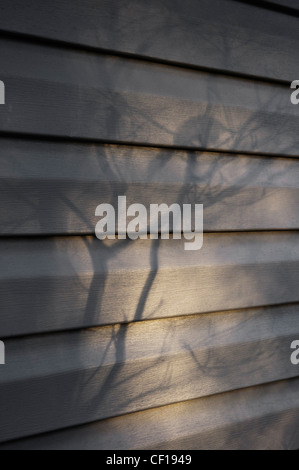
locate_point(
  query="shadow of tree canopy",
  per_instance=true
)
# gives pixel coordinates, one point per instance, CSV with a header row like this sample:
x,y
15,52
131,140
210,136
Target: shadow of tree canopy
x,y
81,397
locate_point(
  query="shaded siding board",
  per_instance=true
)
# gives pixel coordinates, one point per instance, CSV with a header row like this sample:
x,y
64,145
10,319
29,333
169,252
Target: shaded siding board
x,y
219,34
54,188
63,283
264,417
71,94
91,375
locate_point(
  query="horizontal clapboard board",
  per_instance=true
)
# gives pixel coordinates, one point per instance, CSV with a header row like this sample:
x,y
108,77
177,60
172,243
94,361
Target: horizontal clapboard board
x,y
82,95
220,34
261,418
72,282
54,188
73,378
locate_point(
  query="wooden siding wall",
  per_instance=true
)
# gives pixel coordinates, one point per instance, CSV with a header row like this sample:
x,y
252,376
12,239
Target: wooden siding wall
x,y
131,345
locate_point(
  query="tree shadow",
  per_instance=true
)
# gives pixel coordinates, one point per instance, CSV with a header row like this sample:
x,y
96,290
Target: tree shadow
x,y
210,185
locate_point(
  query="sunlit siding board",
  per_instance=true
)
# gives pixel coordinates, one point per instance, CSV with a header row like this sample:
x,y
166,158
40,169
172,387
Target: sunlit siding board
x,y
89,375
262,418
62,283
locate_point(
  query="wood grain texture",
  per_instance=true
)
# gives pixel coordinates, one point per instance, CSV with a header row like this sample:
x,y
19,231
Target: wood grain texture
x,y
65,93
54,188
72,282
261,418
219,34
72,378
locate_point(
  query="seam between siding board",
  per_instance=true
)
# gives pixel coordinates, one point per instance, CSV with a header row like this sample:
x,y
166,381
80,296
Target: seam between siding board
x,y
67,139
148,320
268,5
